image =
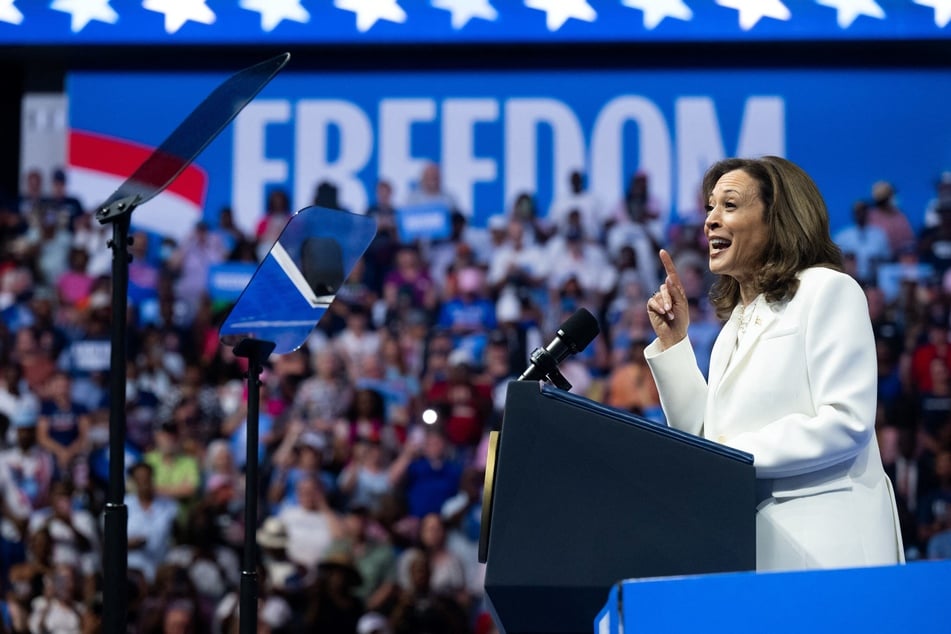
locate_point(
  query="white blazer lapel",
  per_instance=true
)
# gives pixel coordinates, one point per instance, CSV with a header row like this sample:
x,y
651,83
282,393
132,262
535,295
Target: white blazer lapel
x,y
722,350
760,320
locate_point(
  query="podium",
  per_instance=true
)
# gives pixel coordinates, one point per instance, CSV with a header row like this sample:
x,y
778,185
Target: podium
x,y
886,599
579,496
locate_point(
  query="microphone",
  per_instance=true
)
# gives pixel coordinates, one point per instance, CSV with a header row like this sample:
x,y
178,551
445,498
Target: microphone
x,y
573,336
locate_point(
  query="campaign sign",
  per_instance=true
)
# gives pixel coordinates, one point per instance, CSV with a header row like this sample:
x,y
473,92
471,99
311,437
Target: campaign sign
x,y
496,135
425,221
227,280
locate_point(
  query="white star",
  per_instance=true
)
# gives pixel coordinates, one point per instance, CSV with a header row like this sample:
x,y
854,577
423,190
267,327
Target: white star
x,y
9,13
848,10
370,11
464,10
273,12
178,12
85,11
942,11
557,12
752,11
656,10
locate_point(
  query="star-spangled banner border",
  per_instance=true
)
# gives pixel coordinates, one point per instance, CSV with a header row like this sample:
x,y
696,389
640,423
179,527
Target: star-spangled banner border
x,y
65,22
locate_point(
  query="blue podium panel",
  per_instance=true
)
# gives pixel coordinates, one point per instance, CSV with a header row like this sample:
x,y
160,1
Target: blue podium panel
x,y
910,598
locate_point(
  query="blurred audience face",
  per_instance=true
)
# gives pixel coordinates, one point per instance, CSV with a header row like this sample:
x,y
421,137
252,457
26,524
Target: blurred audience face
x,y
309,494
434,447
178,619
142,479
432,534
876,302
429,182
166,440
419,574
384,194
34,183
278,202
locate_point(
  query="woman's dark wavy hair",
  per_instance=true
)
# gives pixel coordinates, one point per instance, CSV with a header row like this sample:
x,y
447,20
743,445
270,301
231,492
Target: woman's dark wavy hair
x,y
797,222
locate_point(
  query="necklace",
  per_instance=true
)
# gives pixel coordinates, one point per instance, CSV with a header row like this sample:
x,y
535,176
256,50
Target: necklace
x,y
746,315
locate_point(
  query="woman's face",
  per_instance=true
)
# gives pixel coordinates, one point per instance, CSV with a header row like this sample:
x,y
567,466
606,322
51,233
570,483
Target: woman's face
x,y
736,226
431,532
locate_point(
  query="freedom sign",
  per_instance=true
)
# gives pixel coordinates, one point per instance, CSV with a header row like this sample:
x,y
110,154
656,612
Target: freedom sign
x,y
499,134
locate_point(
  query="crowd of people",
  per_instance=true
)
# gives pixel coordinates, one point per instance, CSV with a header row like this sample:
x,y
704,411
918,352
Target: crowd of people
x,y
373,433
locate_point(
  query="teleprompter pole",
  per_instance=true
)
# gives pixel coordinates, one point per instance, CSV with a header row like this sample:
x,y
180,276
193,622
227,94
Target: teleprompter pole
x,y
115,514
256,351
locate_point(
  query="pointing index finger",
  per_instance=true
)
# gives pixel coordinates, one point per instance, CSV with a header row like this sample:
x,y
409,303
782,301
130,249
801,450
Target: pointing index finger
x,y
671,270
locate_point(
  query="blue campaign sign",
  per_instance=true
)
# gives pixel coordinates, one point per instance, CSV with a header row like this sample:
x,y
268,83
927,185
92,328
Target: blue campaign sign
x,y
226,281
452,21
497,135
427,221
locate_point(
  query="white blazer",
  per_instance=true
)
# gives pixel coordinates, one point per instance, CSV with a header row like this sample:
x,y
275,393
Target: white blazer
x,y
798,392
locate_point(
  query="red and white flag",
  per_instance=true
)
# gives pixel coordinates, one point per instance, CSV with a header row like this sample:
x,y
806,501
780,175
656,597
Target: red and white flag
x,y
98,164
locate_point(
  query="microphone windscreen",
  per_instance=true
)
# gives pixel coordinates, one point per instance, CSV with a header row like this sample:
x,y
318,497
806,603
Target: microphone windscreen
x,y
579,330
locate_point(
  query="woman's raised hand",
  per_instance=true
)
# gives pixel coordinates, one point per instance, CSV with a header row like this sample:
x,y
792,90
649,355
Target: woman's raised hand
x,y
667,308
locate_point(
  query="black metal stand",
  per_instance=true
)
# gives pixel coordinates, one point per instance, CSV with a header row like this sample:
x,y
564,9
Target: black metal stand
x,y
256,351
115,513
158,171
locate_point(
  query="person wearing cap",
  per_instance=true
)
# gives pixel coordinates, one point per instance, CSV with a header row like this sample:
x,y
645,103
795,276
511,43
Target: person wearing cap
x,y
284,576
886,214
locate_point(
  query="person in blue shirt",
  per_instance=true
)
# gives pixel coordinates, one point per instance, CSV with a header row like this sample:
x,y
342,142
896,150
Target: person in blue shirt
x,y
429,475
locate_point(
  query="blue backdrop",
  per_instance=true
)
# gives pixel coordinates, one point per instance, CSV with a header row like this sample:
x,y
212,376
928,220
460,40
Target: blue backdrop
x,y
497,134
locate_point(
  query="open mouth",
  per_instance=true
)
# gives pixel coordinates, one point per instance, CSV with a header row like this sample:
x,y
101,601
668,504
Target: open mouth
x,y
718,245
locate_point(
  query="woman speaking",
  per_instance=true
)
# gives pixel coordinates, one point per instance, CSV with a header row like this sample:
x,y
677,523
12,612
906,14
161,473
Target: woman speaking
x,y
793,372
